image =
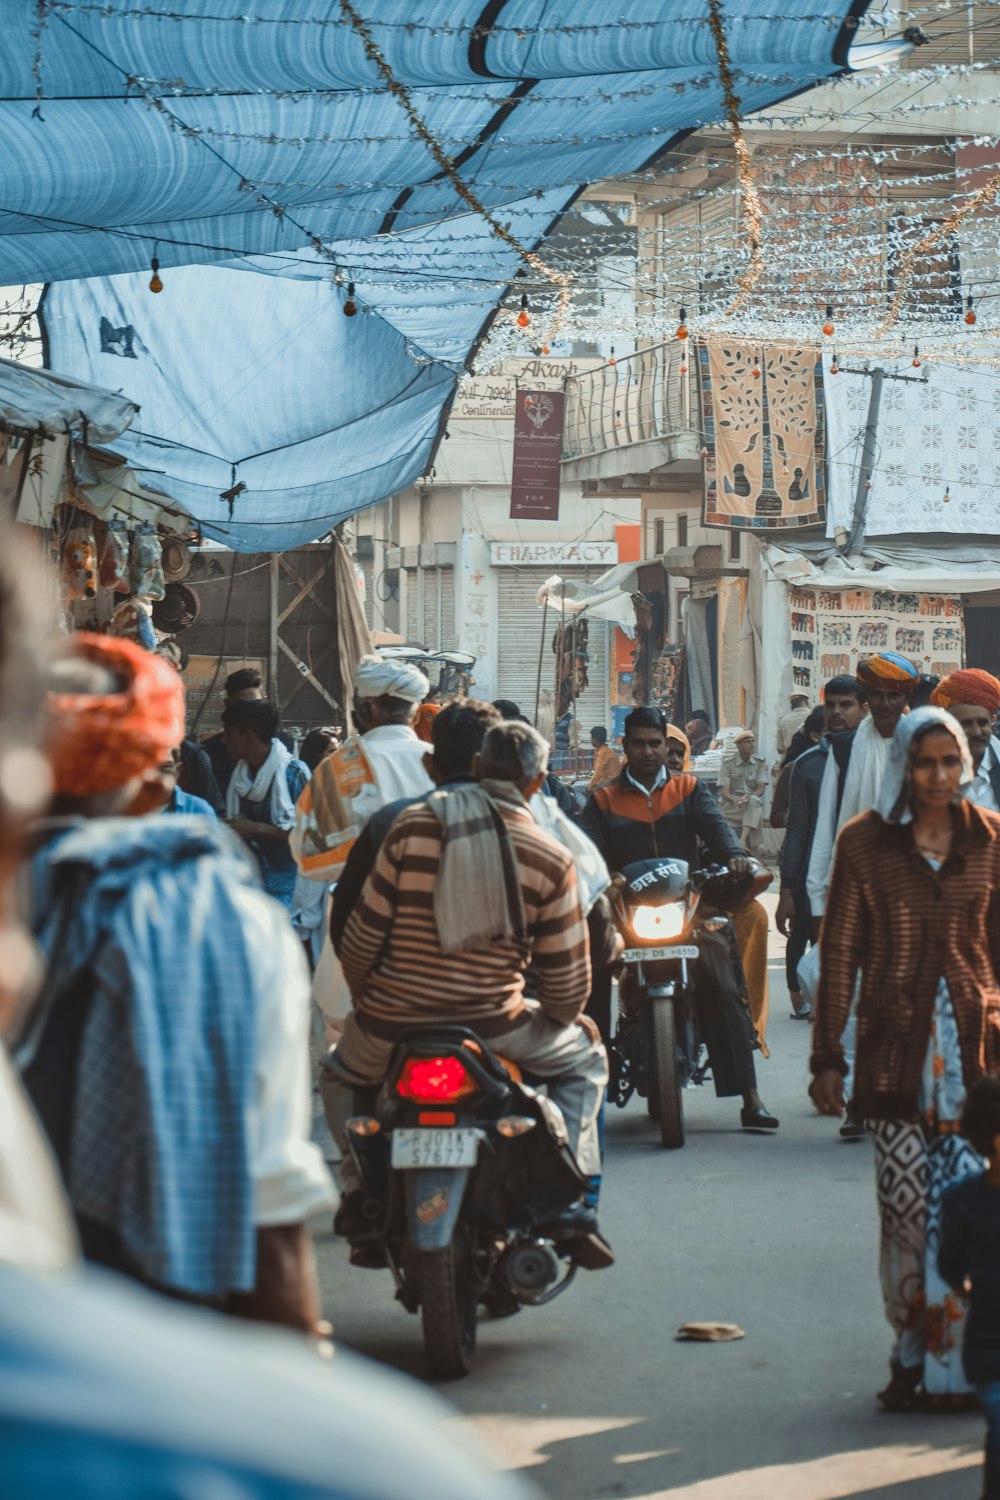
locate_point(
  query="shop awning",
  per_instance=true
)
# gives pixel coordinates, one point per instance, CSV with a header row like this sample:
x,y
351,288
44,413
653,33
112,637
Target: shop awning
x,y
43,404
211,133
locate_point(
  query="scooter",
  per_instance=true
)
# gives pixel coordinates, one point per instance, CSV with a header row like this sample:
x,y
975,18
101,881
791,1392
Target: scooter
x,y
465,1168
660,909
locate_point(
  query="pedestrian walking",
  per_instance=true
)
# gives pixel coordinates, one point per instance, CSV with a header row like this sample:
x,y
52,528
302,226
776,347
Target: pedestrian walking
x,y
969,1261
843,709
914,908
973,698
806,738
790,723
742,784
263,790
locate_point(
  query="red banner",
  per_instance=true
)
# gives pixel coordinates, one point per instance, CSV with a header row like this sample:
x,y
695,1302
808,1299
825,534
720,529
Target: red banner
x,y
538,436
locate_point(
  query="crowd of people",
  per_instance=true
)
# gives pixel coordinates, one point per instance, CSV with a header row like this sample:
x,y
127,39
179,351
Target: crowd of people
x,y
189,904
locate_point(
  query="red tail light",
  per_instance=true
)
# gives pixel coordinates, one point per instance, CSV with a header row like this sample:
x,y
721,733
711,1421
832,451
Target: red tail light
x,y
434,1080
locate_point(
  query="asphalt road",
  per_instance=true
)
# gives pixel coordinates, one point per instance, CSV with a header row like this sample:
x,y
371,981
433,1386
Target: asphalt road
x,y
593,1396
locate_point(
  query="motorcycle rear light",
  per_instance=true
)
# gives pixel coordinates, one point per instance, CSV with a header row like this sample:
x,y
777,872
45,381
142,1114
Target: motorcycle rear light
x,y
436,1117
512,1125
363,1125
434,1080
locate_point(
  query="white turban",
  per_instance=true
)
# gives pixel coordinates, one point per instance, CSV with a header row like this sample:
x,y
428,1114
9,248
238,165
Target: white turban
x,y
375,678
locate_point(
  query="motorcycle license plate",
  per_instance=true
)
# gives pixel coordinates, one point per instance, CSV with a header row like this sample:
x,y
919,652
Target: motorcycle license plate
x,y
647,955
415,1148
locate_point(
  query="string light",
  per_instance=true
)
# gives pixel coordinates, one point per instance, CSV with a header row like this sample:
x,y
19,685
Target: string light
x,y
611,356
970,313
682,331
524,317
834,366
155,284
828,329
980,198
751,213
916,357
350,306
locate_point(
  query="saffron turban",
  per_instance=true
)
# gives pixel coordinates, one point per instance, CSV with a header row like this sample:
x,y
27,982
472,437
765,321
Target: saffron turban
x,y
99,742
887,668
971,685
375,678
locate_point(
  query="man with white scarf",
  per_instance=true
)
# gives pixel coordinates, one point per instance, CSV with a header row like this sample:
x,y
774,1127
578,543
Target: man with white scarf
x,y
381,762
263,791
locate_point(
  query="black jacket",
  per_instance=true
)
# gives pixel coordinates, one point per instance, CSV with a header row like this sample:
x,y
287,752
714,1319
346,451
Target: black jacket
x,y
627,825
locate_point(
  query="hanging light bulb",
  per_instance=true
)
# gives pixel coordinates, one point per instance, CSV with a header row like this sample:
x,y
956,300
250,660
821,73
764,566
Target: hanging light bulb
x,y
545,348
155,284
524,317
682,332
916,357
611,356
704,451
350,306
946,498
683,369
755,372
618,419
828,325
834,366
970,316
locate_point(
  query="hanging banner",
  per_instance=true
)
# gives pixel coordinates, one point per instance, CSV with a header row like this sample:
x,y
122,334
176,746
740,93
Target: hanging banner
x,y
538,437
762,416
831,628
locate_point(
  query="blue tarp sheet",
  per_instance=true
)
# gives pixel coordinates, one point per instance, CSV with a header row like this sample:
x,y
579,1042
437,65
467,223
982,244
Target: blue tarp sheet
x,y
257,146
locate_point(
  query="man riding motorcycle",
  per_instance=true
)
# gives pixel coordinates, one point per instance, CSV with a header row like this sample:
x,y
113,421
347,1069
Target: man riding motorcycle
x,y
648,813
466,890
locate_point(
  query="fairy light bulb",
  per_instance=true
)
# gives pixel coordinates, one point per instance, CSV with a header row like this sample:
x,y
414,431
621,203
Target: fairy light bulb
x,y
524,317
834,366
618,419
155,284
946,498
545,348
350,306
683,368
704,451
970,315
611,356
916,357
682,332
828,325
755,372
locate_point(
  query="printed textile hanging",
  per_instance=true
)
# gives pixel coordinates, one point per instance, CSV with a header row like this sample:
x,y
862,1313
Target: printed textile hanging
x,y
762,416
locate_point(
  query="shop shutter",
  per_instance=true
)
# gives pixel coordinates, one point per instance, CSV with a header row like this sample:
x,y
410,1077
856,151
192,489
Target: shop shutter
x,y
447,583
519,622
412,624
432,590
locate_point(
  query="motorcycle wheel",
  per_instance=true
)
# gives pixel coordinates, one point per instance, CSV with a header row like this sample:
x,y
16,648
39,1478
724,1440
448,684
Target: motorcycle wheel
x,y
448,1309
665,1093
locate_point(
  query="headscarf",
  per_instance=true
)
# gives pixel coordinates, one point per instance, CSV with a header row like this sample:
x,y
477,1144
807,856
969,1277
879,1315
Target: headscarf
x,y
673,733
99,742
971,685
885,668
893,801
375,678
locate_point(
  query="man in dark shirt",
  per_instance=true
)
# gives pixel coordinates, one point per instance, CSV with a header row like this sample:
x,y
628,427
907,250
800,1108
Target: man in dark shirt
x,y
645,813
243,686
843,710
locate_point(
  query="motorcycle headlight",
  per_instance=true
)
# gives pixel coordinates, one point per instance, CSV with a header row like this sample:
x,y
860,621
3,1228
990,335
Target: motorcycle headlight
x,y
658,923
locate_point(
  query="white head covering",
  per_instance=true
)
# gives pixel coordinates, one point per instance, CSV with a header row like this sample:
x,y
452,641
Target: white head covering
x,y
893,801
375,678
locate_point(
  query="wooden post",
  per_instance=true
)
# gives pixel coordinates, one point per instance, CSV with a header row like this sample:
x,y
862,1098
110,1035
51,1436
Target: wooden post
x,y
272,634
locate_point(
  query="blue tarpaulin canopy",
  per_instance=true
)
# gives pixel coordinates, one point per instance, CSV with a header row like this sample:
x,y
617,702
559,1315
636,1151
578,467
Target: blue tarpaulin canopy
x,y
271,154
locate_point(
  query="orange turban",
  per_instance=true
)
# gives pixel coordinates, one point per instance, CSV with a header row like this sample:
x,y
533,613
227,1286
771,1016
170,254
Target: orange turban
x,y
673,733
971,685
423,724
99,742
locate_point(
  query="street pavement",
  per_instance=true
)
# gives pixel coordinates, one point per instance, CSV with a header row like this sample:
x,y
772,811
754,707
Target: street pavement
x,y
592,1396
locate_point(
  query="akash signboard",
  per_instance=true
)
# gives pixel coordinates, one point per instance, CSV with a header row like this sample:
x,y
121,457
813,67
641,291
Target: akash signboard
x,y
538,436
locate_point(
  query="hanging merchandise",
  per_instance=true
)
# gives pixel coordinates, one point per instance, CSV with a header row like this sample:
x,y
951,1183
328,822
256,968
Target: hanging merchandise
x,y
178,609
113,571
78,570
146,572
132,620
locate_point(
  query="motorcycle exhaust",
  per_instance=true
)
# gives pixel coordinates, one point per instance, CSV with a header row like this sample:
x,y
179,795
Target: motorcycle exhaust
x,y
531,1267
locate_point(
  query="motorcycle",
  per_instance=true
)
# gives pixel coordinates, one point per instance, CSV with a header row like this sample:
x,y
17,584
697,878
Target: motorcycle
x,y
464,1167
656,1051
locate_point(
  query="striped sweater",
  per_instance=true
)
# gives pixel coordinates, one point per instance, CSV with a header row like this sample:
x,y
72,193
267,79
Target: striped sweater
x,y
393,961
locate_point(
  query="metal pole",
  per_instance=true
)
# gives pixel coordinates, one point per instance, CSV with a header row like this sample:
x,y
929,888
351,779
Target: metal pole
x,y
272,634
541,655
867,462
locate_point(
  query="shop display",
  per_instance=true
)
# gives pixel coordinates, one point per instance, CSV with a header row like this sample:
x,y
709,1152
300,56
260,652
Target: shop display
x,y
146,571
78,567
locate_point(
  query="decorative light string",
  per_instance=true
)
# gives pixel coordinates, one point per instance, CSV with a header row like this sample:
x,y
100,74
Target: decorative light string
x,y
401,93
984,195
751,212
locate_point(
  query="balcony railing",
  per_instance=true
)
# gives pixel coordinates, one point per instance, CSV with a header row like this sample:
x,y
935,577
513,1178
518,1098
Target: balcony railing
x,y
639,398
